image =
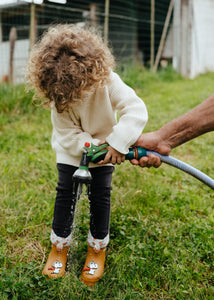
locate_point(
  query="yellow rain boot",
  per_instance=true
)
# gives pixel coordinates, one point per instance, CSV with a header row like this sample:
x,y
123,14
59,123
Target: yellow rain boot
x,y
94,266
56,263
57,259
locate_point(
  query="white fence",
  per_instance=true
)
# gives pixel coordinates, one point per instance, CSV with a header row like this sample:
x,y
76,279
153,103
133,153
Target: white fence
x,y
20,59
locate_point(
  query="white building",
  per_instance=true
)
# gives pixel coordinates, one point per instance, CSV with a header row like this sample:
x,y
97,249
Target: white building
x,y
193,37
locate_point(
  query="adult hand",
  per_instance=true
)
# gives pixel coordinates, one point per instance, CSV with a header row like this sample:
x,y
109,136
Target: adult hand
x,y
151,141
147,161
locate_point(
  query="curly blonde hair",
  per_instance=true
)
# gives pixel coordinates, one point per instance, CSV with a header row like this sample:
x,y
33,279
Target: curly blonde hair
x,y
66,63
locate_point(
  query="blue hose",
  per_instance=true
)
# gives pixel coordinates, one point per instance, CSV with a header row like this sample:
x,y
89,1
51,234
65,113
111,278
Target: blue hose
x,y
184,167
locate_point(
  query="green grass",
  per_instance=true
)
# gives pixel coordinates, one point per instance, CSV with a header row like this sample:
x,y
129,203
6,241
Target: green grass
x,y
162,220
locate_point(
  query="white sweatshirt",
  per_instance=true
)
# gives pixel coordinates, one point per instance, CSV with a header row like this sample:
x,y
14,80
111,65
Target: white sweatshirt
x,y
94,119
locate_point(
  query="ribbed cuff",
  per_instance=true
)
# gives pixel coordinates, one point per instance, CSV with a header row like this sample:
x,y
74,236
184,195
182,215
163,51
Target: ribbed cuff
x,y
60,242
97,244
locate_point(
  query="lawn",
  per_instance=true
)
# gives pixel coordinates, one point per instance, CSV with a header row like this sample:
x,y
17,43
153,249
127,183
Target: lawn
x,y
162,220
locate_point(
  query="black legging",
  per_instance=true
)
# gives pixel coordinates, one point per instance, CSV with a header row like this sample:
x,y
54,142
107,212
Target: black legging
x,y
100,201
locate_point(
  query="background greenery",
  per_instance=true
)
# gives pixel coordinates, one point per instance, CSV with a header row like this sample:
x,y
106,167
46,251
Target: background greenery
x,y
162,219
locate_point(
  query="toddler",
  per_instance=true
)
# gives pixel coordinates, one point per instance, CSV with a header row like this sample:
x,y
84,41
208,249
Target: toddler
x,y
72,68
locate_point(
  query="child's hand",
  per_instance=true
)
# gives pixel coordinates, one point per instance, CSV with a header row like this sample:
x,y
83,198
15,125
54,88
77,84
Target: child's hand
x,y
112,156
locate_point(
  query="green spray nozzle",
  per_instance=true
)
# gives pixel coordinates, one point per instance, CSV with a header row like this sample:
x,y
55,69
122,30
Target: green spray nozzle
x,y
97,153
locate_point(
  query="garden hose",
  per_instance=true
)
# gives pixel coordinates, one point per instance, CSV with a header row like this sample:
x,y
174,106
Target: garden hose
x,y
184,167
95,154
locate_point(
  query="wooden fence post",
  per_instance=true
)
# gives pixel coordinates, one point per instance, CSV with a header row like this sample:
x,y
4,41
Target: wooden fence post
x,y
106,24
162,41
152,35
12,38
93,16
32,25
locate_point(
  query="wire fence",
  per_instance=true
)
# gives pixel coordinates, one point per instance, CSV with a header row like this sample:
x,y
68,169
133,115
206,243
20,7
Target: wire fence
x,y
133,28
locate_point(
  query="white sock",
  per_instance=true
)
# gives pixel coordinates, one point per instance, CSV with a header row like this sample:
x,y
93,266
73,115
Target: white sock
x,y
97,244
60,242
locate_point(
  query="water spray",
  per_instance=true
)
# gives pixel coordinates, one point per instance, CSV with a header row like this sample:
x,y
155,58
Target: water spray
x,y
95,154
